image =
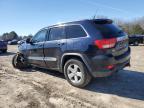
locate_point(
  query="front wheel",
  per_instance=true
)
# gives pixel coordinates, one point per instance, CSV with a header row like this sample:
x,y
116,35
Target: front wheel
x,y
19,61
76,73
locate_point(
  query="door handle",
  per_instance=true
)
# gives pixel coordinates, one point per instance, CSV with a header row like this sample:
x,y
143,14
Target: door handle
x,y
60,44
40,45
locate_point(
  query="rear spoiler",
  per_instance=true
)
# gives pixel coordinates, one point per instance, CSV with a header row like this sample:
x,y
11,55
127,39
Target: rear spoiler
x,y
102,21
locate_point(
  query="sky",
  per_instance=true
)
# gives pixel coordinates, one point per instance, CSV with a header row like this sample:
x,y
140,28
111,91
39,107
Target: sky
x,y
28,16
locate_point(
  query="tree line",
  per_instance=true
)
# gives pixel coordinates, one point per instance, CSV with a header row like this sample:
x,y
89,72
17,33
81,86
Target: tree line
x,y
12,35
135,27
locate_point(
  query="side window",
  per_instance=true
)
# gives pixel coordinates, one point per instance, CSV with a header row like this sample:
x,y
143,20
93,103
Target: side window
x,y
40,36
57,33
75,31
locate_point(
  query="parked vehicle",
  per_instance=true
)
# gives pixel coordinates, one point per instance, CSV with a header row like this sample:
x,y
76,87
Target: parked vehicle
x,y
136,40
13,42
82,50
21,41
3,46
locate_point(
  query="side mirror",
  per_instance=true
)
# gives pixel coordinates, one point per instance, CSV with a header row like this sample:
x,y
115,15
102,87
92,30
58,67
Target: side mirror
x,y
28,40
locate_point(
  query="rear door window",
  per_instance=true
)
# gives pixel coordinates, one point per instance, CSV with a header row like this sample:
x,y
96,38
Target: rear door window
x,y
109,30
56,33
74,31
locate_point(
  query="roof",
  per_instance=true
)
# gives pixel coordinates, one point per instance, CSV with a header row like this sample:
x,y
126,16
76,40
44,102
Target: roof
x,y
82,21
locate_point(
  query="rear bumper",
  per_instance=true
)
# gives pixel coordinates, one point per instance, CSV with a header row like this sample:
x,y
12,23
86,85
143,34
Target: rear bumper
x,y
105,73
98,65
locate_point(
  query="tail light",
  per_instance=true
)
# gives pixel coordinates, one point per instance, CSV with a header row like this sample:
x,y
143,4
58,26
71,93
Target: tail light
x,y
106,43
110,67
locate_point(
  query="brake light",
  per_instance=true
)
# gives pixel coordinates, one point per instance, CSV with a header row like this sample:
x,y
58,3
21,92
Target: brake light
x,y
110,67
106,43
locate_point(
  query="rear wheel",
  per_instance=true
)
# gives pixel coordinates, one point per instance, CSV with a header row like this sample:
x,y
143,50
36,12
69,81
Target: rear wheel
x,y
136,43
19,61
4,51
76,73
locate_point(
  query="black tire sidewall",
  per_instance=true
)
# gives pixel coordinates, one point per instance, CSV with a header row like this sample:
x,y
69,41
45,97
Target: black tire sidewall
x,y
4,51
18,65
13,61
136,43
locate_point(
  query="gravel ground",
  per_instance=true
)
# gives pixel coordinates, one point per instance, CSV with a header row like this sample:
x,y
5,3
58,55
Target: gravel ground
x,y
38,88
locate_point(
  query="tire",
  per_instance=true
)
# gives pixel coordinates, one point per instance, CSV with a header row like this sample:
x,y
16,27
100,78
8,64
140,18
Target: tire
x,y
136,43
17,63
75,68
4,51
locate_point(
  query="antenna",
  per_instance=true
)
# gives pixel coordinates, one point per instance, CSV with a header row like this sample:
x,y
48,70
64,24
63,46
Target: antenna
x,y
95,15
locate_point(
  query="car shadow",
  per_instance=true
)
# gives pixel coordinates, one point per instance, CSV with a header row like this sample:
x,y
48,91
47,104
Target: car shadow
x,y
7,53
129,84
46,71
126,83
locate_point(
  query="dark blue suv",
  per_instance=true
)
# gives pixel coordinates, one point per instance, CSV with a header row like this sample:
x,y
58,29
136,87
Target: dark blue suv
x,y
3,46
80,49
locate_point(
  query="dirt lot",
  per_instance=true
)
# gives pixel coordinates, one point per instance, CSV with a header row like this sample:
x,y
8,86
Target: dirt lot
x,y
37,88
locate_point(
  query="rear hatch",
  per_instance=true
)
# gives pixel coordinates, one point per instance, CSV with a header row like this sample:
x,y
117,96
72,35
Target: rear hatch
x,y
113,39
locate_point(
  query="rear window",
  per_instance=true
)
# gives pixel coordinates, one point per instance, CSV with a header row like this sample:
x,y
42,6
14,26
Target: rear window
x,y
109,30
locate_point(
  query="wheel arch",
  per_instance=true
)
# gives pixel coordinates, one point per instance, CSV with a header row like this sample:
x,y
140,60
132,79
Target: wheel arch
x,y
68,56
